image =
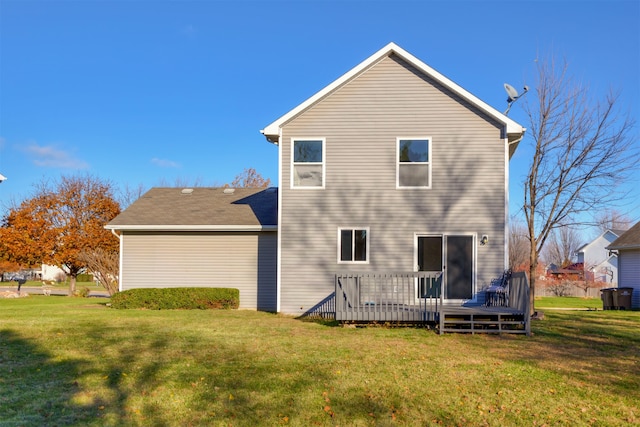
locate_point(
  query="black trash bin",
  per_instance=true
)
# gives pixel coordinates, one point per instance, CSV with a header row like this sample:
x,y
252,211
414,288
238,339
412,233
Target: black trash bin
x,y
607,298
624,298
614,299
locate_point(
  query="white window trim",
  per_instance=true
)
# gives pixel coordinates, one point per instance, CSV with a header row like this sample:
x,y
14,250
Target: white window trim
x,y
429,163
339,245
292,164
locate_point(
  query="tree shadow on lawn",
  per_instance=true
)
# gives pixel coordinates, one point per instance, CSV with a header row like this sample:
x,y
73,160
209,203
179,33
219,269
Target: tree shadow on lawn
x,y
189,378
36,389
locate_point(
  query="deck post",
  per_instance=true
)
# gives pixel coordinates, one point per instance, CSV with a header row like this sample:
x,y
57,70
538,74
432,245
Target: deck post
x,y
440,311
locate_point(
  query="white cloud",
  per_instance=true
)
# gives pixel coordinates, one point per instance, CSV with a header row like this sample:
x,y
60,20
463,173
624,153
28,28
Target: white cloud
x,y
165,163
54,157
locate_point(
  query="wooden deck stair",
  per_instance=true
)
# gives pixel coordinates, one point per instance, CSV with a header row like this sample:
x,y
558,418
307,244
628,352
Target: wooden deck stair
x,y
483,320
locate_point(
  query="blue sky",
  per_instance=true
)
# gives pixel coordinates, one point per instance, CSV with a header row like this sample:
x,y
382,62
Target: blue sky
x,y
154,92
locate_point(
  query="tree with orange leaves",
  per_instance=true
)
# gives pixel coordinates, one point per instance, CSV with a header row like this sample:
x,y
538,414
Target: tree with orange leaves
x,y
59,224
7,267
25,233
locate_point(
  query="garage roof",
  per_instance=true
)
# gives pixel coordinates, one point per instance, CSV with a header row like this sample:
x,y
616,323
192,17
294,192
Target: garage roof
x,y
201,209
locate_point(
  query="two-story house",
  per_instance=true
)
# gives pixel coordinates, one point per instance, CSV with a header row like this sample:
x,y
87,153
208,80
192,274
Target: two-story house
x,y
391,168
598,262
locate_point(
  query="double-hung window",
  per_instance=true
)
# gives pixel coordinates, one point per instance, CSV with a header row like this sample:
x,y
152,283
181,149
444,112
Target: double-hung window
x,y
307,158
414,163
353,245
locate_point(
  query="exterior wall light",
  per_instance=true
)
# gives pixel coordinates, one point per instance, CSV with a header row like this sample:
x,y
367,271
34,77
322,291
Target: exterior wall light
x,y
484,240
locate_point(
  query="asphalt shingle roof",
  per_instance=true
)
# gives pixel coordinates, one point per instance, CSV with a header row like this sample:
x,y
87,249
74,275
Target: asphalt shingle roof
x,y
630,239
180,208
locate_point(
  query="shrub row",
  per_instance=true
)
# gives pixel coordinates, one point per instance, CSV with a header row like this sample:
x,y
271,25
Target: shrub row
x,y
84,278
177,298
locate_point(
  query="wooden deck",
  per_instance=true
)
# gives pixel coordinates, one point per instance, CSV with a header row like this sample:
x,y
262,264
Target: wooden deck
x,y
417,298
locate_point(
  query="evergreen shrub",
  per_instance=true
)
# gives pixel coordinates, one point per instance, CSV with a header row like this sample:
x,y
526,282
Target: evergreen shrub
x,y
177,298
84,278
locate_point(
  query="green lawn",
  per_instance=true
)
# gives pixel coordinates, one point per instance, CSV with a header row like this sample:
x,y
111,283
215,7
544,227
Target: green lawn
x,y
74,362
568,302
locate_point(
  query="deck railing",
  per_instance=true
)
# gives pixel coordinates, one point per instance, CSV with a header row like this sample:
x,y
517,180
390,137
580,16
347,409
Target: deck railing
x,y
519,296
388,297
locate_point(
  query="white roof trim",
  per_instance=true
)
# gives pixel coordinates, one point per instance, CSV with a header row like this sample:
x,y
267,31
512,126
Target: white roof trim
x,y
272,131
586,245
191,227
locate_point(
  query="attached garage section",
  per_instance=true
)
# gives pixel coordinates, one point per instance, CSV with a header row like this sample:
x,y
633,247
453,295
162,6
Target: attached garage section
x,y
202,237
242,260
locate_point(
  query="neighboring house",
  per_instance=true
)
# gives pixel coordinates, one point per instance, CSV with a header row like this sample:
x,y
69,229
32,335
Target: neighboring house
x,y
392,167
574,271
52,273
599,263
201,237
628,248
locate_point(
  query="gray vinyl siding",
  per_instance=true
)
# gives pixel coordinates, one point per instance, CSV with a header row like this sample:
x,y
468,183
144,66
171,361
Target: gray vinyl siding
x,y
242,260
361,121
629,273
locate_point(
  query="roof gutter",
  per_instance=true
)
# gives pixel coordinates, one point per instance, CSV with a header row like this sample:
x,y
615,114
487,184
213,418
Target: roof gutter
x,y
513,145
191,227
274,139
612,248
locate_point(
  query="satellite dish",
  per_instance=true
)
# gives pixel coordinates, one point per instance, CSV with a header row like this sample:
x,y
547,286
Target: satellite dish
x,y
2,178
512,94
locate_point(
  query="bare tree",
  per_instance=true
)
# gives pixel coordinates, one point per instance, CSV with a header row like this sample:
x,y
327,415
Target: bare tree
x,y
611,219
183,182
250,178
582,150
104,264
562,245
518,245
128,194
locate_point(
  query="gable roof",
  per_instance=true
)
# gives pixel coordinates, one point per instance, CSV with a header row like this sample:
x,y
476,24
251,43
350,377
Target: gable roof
x,y
513,130
630,239
616,233
201,209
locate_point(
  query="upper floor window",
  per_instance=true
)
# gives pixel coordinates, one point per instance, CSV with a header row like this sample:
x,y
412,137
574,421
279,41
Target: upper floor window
x,y
353,245
307,170
414,163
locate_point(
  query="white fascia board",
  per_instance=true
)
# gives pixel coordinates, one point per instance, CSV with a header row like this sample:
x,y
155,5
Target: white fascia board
x,y
192,227
629,246
586,245
272,131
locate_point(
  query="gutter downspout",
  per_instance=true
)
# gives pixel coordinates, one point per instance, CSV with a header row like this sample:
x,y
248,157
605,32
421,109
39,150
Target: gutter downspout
x,y
278,143
279,236
507,218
